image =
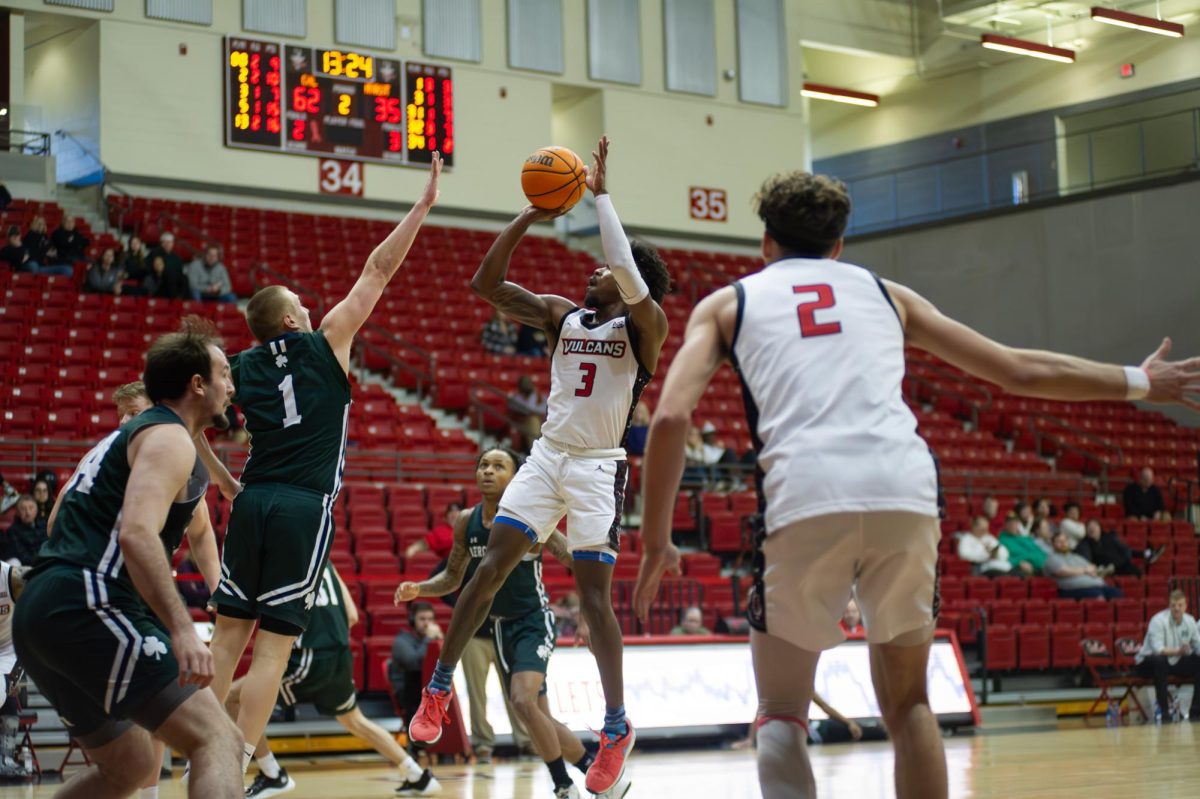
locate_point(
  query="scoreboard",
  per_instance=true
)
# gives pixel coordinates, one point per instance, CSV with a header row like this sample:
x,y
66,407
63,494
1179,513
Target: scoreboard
x,y
336,103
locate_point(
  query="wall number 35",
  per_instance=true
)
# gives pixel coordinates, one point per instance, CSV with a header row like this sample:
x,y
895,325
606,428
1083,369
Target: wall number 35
x,y
708,204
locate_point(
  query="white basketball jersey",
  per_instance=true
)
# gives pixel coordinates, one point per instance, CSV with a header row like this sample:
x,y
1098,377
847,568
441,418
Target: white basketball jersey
x,y
820,351
595,382
8,654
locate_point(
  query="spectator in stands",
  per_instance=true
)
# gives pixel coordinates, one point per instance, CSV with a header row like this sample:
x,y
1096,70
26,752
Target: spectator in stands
x,y
164,280
720,460
69,242
1106,549
1077,578
440,539
408,656
1143,499
566,614
209,279
498,335
1072,525
691,622
531,340
979,547
1043,535
1044,509
694,472
1024,513
43,495
25,535
37,239
17,254
133,260
527,409
635,439
851,621
1171,649
1026,557
103,277
991,511
166,248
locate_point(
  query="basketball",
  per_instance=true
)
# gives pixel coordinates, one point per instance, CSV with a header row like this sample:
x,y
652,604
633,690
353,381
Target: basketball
x,y
553,178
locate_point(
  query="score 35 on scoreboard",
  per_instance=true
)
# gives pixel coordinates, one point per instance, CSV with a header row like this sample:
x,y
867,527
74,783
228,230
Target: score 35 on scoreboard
x,y
340,103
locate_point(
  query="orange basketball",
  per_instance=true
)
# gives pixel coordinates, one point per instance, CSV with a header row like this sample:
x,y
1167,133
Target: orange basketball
x,y
553,178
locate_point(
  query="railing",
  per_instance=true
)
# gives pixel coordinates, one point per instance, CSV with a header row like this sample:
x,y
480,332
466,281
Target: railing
x,y
934,185
1039,436
974,404
674,597
977,484
422,373
481,411
259,271
28,142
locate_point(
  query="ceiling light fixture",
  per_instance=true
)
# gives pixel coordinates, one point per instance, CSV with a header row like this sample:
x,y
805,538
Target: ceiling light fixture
x,y
1007,44
1123,19
819,91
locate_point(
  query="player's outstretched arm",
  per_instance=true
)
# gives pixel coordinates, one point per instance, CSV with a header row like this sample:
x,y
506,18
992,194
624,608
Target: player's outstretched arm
x,y
161,462
645,314
228,484
1042,374
202,542
342,323
491,283
448,579
702,353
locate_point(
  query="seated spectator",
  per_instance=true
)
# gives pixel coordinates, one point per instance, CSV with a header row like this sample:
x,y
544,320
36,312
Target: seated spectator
x,y
1106,550
851,621
133,260
1044,509
1077,578
208,278
1171,649
991,511
1024,553
1024,513
408,656
166,248
531,340
716,456
566,614
103,277
694,472
691,622
635,439
498,335
1143,499
164,280
440,539
16,254
43,495
1043,535
69,242
37,239
979,547
25,535
1071,524
527,409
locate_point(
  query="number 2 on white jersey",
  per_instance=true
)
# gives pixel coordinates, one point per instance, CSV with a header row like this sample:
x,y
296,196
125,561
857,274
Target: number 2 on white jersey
x,y
292,413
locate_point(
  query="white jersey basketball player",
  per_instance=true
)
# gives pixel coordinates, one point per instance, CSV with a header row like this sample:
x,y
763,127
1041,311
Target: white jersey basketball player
x,y
848,488
602,357
12,580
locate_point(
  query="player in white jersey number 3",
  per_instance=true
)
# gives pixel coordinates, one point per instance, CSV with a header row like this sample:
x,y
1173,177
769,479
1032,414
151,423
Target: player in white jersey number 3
x,y
849,488
601,359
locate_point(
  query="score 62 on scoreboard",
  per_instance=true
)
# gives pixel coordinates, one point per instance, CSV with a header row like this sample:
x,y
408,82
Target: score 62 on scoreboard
x,y
336,103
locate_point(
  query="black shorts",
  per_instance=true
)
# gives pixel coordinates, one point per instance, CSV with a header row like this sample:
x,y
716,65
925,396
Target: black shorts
x,y
321,676
525,644
97,653
275,551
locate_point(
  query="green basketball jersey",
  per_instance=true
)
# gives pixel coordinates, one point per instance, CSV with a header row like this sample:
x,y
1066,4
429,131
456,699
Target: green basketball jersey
x,y
296,400
328,628
88,521
523,591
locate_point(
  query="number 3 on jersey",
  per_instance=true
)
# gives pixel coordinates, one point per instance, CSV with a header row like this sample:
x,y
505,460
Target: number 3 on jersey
x,y
589,379
809,326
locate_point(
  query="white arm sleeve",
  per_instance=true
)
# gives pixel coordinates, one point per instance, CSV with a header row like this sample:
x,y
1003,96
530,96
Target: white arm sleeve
x,y
619,254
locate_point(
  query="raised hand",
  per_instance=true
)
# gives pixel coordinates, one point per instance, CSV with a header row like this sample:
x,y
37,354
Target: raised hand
x,y
406,592
431,194
1176,382
597,174
534,214
650,573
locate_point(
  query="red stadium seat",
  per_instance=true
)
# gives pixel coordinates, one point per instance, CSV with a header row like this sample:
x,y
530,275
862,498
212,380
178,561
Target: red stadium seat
x,y
1001,649
1033,645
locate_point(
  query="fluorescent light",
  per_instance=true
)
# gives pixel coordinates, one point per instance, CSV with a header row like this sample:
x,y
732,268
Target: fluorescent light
x,y
819,91
1007,44
1123,19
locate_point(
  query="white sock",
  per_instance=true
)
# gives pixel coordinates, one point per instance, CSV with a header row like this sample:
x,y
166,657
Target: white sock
x,y
247,756
148,793
268,765
783,767
412,770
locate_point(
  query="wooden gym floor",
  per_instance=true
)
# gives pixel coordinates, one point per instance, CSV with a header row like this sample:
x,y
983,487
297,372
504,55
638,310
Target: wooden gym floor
x,y
1096,763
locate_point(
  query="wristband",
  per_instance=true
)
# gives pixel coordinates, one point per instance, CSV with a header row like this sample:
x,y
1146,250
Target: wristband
x,y
1137,383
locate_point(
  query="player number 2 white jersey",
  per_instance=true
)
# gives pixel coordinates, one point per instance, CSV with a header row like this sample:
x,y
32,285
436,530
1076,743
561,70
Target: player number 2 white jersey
x,y
595,382
820,351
